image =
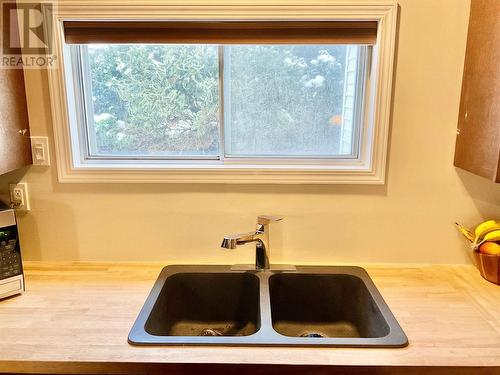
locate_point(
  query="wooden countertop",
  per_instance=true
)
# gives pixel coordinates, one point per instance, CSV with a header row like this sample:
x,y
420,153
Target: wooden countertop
x,y
75,318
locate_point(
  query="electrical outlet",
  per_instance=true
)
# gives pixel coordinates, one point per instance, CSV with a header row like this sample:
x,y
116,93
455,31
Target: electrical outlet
x,y
40,150
19,196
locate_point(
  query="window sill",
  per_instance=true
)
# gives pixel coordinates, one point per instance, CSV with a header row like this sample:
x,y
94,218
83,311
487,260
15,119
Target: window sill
x,y
223,173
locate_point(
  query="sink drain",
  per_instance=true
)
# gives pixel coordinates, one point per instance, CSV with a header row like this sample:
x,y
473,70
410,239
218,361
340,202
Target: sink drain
x,y
313,334
210,332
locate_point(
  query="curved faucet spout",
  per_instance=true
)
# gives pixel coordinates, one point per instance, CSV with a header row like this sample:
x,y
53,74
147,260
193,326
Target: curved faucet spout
x,y
260,236
233,240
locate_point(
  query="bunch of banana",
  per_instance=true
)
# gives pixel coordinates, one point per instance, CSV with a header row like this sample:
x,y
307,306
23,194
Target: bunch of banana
x,y
488,231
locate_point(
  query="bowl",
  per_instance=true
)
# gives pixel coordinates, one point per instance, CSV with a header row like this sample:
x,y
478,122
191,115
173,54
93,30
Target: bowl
x,y
489,266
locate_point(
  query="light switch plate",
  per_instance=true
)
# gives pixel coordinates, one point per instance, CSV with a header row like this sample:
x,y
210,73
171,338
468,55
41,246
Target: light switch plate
x,y
40,150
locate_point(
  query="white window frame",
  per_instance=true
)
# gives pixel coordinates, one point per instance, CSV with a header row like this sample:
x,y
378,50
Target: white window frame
x,y
368,168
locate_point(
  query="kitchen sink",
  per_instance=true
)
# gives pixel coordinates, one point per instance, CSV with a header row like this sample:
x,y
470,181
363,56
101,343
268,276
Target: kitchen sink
x,y
301,306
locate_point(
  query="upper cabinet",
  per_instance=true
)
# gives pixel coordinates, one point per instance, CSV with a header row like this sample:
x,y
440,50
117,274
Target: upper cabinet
x,y
478,136
15,147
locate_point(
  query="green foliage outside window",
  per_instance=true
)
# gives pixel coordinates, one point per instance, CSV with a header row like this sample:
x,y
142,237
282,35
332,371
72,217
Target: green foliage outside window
x,y
164,99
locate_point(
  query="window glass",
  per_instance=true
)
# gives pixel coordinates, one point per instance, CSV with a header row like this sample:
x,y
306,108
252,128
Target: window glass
x,y
174,101
286,100
154,100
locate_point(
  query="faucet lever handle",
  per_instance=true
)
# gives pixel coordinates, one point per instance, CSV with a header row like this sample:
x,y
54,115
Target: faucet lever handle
x,y
268,219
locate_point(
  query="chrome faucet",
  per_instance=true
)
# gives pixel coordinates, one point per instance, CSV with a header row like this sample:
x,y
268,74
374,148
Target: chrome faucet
x,y
261,238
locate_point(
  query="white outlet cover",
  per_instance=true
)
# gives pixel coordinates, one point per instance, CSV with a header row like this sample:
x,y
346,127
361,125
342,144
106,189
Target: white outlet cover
x,y
22,188
40,150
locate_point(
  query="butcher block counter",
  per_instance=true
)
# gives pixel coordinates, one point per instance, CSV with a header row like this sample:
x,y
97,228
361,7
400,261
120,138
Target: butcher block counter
x,y
75,318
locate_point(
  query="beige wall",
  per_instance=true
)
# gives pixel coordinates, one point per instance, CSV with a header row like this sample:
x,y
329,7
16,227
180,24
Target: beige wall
x,y
408,220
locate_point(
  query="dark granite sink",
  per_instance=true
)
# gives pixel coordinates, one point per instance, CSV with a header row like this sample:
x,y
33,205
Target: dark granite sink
x,y
309,306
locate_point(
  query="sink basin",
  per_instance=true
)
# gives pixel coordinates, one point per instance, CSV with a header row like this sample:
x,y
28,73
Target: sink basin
x,y
320,306
307,306
209,304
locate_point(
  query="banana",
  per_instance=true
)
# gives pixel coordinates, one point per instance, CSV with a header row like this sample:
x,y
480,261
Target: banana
x,y
488,231
489,237
465,232
484,228
484,225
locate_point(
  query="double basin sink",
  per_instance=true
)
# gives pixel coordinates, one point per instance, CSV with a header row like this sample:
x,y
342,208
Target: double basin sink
x,y
304,306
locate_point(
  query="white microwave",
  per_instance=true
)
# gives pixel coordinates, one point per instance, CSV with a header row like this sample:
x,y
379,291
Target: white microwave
x,y
11,268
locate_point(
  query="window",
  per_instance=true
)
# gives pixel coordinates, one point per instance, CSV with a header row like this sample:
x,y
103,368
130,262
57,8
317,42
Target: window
x,y
220,100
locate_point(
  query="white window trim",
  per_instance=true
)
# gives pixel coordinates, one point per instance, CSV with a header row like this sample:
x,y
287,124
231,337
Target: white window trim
x,y
368,168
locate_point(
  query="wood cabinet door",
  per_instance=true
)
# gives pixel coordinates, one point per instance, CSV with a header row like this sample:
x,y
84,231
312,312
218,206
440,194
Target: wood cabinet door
x,y
478,137
15,146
